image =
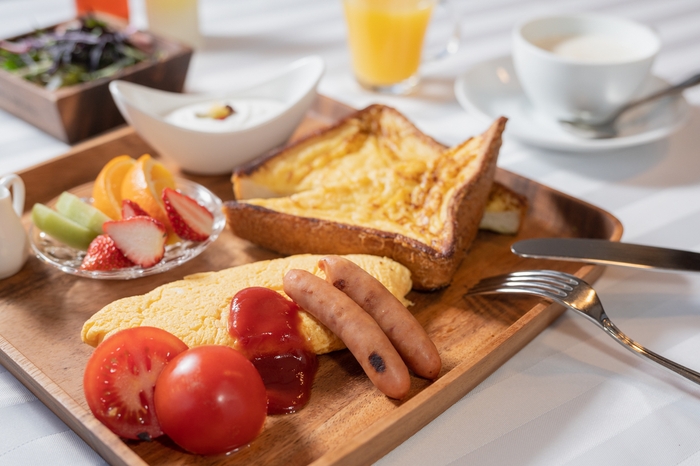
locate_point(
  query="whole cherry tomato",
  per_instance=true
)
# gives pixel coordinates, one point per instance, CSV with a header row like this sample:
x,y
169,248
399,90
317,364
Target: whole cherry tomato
x,y
120,378
210,399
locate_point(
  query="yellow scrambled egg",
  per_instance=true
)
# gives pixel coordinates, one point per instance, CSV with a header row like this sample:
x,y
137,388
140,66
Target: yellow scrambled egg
x,y
196,309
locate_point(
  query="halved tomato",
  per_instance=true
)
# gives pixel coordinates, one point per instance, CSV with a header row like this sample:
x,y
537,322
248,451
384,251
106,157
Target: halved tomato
x,y
120,379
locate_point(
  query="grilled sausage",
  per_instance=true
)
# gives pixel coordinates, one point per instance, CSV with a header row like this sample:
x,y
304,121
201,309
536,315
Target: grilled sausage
x,y
404,331
360,333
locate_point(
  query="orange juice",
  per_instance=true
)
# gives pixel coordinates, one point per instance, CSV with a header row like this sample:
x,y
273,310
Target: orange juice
x,y
386,38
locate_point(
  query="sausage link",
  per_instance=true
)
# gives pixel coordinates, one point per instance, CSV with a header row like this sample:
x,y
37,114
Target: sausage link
x,y
404,331
360,333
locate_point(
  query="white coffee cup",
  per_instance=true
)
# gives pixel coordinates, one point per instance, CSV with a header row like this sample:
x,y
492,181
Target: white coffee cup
x,y
582,65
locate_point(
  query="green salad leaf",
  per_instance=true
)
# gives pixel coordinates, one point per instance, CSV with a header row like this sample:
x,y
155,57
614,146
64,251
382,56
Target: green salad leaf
x,y
80,51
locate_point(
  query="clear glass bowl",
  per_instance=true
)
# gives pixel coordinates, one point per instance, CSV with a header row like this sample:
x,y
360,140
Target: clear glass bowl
x,y
68,259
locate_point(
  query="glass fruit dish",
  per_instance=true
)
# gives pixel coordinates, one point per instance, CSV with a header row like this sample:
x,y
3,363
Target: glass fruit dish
x,y
68,259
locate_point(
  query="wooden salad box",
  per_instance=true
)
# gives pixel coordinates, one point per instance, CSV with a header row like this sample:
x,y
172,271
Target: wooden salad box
x,y
76,112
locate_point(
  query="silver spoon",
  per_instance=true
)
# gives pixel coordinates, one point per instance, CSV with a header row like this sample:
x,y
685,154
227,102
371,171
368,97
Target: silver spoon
x,y
606,128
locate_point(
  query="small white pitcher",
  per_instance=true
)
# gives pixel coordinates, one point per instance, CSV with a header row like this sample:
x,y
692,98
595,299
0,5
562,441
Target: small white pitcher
x,y
13,238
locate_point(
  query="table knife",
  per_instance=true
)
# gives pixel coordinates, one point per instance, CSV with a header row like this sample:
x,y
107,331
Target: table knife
x,y
606,252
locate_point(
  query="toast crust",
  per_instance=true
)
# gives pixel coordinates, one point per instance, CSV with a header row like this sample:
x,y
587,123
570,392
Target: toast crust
x,y
432,265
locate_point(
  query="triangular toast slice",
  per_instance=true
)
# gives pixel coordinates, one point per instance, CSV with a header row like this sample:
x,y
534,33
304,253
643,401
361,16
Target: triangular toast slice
x,y
372,184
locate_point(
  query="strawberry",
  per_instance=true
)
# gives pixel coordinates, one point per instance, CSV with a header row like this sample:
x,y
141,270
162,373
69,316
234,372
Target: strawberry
x,y
103,254
132,209
140,238
190,220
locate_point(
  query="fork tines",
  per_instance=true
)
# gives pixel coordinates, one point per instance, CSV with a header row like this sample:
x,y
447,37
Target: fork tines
x,y
537,282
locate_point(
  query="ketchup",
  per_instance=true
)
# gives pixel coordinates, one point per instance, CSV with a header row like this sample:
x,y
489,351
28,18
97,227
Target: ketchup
x,y
266,327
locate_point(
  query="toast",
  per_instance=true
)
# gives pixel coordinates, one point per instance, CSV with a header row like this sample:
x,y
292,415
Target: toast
x,y
197,308
371,184
504,211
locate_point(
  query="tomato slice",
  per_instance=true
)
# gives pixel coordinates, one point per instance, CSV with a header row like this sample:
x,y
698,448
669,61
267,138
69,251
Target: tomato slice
x,y
120,379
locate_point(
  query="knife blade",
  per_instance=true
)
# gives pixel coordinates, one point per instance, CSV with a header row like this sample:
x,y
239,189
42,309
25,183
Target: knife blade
x,y
599,251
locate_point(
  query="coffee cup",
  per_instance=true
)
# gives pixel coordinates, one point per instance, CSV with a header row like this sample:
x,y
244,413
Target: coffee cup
x,y
582,66
386,41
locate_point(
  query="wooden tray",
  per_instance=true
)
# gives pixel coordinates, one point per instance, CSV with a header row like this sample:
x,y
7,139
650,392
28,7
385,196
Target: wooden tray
x,y
347,420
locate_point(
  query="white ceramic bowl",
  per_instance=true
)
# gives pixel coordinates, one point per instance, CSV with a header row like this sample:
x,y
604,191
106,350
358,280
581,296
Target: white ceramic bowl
x,y
219,150
603,65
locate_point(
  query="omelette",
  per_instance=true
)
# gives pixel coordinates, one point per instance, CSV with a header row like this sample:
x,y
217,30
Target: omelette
x,y
196,309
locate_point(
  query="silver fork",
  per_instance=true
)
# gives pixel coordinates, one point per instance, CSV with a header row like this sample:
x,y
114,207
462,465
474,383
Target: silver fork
x,y
577,295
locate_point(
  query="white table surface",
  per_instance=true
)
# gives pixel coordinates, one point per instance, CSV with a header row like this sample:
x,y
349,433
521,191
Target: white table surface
x,y
572,396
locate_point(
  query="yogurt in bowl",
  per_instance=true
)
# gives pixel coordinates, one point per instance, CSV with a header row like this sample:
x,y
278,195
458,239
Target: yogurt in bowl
x,y
234,114
188,128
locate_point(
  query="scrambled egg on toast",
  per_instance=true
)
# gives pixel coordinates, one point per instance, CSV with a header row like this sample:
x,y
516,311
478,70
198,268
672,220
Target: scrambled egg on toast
x,y
371,184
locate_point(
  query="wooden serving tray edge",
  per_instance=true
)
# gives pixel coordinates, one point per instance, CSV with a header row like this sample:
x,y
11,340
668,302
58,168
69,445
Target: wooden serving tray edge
x,y
373,442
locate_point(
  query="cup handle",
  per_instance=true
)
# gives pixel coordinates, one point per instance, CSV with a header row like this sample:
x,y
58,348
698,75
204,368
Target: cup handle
x,y
17,185
453,43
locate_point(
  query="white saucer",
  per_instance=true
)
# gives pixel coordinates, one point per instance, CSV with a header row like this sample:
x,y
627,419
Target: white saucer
x,y
491,89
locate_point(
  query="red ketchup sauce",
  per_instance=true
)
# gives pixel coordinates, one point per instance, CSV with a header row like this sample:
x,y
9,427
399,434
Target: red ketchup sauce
x,y
266,327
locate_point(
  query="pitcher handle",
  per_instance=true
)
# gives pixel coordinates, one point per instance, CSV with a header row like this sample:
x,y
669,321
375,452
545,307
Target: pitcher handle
x,y
15,183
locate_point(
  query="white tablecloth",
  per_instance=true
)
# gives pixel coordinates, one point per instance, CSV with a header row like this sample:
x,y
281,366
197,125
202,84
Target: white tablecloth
x,y
572,396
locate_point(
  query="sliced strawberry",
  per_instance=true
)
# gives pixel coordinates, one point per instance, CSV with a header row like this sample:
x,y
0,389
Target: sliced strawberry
x,y
190,220
141,239
132,209
103,254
